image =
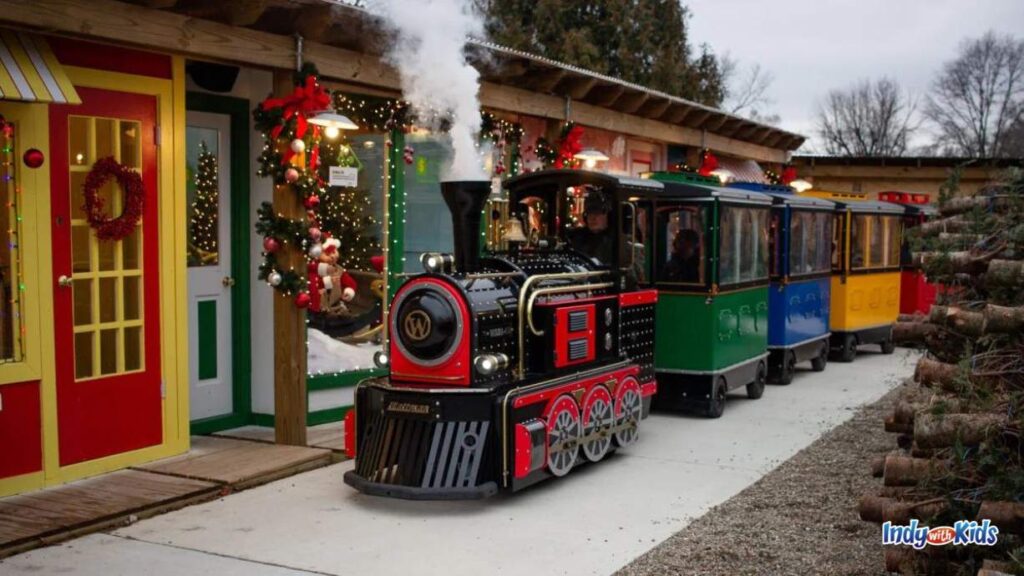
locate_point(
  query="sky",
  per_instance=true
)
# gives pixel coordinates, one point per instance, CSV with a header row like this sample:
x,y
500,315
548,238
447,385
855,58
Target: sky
x,y
813,46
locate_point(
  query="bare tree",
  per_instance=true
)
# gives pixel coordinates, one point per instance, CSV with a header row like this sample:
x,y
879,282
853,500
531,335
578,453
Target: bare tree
x,y
746,91
867,119
979,97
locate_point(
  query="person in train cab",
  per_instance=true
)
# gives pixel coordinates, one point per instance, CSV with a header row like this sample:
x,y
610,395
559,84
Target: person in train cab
x,y
684,263
594,239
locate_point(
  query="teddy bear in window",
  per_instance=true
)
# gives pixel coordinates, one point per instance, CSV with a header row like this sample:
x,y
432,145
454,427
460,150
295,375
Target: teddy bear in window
x,y
335,285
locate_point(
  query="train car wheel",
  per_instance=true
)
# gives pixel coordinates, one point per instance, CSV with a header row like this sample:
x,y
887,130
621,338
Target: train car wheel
x,y
849,349
628,410
716,406
598,421
563,435
756,388
818,364
788,369
888,346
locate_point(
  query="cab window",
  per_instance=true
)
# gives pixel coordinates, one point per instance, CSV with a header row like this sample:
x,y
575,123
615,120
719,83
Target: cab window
x,y
743,245
810,242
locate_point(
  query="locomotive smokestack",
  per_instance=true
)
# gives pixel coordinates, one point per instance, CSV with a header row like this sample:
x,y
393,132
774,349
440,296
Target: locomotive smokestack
x,y
465,199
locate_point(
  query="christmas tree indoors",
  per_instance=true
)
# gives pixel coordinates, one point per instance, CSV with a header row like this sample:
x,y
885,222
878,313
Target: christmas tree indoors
x,y
202,221
347,213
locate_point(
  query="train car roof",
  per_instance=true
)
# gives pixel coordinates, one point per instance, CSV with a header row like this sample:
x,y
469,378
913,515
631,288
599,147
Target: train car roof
x,y
572,177
868,207
784,195
926,209
689,186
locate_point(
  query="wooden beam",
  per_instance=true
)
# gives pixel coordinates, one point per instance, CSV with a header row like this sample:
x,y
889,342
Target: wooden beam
x,y
605,95
121,23
499,97
577,87
630,103
654,108
676,113
314,22
545,81
697,118
290,352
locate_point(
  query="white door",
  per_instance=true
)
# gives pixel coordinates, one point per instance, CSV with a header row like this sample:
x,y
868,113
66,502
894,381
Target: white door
x,y
208,138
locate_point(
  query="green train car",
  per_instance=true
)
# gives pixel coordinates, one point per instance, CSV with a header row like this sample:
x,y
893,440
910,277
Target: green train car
x,y
710,265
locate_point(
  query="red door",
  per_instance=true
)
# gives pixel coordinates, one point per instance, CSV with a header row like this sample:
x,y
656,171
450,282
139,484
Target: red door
x,y
106,292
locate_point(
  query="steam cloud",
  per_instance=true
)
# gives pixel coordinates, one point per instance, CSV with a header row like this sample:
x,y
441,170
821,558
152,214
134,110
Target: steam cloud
x,y
436,79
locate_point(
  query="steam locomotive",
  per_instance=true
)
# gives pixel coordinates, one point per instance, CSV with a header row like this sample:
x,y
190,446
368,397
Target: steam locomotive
x,y
513,367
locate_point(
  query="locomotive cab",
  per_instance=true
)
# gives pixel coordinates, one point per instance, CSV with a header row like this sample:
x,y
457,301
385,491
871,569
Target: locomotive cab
x,y
508,366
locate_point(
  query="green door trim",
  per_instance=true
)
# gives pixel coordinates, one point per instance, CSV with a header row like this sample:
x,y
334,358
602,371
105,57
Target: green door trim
x,y
241,347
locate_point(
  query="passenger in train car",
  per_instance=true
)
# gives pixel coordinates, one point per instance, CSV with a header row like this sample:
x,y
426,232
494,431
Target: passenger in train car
x,y
594,239
684,263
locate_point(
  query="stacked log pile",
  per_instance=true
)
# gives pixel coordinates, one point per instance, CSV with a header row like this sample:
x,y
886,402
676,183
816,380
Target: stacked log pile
x,y
959,453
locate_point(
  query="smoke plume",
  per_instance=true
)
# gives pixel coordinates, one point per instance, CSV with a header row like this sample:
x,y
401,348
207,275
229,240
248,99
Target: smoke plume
x,y
429,39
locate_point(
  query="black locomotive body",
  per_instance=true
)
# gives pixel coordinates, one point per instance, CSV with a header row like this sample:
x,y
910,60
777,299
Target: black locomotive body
x,y
511,368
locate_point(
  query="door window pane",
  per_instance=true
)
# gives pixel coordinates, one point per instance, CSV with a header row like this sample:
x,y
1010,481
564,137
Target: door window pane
x,y
108,299
11,322
83,355
203,195
681,244
132,348
78,139
106,130
132,293
108,351
82,297
130,250
130,144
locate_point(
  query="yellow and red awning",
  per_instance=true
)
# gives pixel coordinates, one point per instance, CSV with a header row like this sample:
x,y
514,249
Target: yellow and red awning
x,y
30,72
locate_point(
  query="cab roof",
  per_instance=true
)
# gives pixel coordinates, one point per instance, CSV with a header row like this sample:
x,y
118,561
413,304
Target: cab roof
x,y
868,207
784,196
685,185
571,177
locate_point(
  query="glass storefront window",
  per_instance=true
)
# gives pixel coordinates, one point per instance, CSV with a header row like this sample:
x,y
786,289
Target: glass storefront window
x,y
428,224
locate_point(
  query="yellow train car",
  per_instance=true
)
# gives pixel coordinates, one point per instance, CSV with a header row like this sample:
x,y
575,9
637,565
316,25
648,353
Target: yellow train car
x,y
866,241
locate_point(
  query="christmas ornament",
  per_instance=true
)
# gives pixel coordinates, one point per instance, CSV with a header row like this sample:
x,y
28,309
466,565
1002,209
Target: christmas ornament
x,y
274,279
311,202
33,158
106,227
407,154
291,175
316,250
298,146
271,245
302,300
315,233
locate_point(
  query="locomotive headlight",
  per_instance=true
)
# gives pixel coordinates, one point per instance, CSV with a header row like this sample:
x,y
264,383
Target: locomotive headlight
x,y
437,263
487,364
381,359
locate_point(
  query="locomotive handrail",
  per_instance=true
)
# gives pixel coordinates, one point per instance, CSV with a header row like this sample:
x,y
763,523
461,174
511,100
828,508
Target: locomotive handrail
x,y
530,282
557,290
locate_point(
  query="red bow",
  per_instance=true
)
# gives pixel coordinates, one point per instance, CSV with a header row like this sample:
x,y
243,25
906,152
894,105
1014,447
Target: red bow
x,y
708,165
307,98
788,175
570,146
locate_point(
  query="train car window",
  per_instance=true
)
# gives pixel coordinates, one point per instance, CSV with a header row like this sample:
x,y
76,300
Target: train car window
x,y
743,245
858,241
894,237
775,245
810,243
837,242
681,247
588,227
877,243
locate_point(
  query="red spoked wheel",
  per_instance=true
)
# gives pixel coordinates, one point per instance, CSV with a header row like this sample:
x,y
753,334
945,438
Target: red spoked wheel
x,y
563,435
628,410
598,422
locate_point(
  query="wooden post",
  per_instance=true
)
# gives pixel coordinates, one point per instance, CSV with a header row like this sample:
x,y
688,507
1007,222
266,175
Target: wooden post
x,y
290,403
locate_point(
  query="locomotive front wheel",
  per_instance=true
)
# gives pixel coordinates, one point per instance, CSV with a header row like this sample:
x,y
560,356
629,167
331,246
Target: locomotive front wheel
x,y
756,388
563,436
598,421
818,364
716,405
788,369
628,412
888,346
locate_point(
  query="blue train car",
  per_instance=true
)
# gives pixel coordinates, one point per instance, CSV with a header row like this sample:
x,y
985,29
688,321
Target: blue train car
x,y
801,249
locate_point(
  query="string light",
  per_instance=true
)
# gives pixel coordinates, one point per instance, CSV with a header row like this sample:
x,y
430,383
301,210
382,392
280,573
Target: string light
x,y
13,323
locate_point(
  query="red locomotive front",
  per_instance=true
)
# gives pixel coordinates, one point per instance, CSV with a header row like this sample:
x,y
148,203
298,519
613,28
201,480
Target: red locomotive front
x,y
517,366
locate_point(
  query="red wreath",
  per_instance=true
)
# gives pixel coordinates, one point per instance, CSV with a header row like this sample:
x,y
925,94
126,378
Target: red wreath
x,y
108,228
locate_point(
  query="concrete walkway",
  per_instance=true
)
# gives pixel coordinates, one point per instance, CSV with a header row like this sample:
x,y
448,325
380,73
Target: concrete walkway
x,y
592,522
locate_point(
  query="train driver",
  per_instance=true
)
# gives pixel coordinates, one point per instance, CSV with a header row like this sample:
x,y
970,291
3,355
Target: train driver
x,y
684,263
594,239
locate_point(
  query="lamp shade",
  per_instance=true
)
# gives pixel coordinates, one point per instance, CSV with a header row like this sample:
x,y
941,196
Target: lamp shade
x,y
800,185
591,154
329,119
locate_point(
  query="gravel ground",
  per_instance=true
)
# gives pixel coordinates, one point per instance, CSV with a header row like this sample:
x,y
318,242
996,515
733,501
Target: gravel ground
x,y
799,519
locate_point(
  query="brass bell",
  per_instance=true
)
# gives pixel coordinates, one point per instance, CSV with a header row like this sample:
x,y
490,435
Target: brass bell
x,y
514,230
